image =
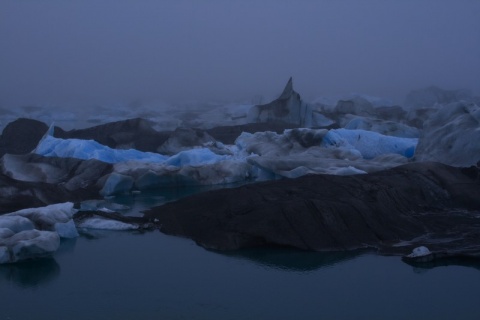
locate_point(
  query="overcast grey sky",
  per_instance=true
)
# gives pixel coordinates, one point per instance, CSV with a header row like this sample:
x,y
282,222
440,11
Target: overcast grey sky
x,y
99,51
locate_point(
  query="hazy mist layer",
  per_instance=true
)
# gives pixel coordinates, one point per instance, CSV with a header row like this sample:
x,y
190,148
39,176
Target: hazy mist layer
x,y
97,51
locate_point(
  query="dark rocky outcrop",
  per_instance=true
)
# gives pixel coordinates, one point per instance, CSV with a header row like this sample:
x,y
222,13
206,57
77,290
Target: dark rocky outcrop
x,y
139,134
127,134
21,136
31,180
393,210
16,195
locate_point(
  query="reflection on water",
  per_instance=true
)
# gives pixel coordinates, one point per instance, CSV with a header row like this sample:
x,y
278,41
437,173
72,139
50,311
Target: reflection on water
x,y
421,267
36,272
128,275
30,273
292,260
66,246
137,202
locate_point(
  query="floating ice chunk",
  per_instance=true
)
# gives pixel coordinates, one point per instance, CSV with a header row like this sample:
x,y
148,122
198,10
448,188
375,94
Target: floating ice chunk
x,y
451,135
419,252
28,244
59,212
104,224
55,217
66,229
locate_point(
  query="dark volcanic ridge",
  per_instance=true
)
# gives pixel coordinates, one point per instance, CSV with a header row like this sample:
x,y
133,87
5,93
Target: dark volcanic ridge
x,y
394,211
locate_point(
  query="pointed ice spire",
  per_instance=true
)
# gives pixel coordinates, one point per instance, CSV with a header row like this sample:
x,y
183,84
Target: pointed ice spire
x,y
288,90
288,108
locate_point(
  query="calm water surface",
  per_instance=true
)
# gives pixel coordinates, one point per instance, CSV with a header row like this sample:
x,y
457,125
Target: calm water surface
x,y
128,275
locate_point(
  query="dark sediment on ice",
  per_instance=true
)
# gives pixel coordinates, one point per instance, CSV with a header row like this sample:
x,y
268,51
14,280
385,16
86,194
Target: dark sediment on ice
x,y
393,211
126,134
21,136
32,180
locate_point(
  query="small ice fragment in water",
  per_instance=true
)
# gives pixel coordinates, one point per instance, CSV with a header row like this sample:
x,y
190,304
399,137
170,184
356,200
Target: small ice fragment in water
x,y
419,252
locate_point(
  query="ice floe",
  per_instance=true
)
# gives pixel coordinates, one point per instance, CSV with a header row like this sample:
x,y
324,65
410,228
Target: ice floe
x,y
36,232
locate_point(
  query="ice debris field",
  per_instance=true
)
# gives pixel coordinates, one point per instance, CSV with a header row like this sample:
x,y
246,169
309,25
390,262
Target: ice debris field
x,y
37,232
368,144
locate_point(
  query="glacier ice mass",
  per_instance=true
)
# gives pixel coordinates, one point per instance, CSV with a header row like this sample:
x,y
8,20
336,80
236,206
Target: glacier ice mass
x,y
253,157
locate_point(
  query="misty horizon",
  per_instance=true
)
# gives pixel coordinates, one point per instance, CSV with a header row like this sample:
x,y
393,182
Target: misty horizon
x,y
94,52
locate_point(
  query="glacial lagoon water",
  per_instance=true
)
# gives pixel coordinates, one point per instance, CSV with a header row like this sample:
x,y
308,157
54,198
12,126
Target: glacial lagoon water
x,y
132,275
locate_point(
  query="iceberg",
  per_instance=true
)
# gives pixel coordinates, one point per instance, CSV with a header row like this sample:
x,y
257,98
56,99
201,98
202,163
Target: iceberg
x,y
50,146
451,135
287,108
384,127
35,232
303,151
15,224
55,217
419,252
153,175
89,149
370,144
254,157
28,244
183,139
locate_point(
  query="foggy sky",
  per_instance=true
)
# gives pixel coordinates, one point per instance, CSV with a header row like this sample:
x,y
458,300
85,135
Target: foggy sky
x,y
98,51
